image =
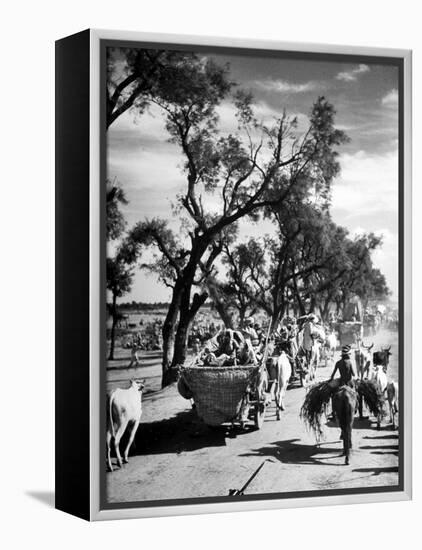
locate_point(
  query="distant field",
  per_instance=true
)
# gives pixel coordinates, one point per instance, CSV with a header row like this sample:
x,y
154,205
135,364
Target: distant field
x,y
151,316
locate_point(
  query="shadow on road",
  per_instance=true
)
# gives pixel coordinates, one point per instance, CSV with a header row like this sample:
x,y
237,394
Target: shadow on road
x,y
358,424
392,436
394,453
380,447
377,471
182,432
292,451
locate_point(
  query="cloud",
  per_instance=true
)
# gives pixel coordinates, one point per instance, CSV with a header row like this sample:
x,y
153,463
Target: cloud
x,y
285,86
349,76
385,258
368,182
365,198
391,99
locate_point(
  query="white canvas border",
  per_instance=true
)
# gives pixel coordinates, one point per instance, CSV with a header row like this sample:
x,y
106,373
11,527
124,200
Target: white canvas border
x,y
122,513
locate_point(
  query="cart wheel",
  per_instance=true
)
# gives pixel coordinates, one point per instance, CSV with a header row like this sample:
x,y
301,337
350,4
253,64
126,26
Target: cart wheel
x,y
259,414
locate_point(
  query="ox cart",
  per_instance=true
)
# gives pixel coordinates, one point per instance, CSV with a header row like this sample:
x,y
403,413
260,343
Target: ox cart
x,y
226,394
350,333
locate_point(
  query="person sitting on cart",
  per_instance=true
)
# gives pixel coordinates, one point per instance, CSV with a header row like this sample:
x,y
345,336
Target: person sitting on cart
x,y
247,354
260,333
229,344
250,332
210,359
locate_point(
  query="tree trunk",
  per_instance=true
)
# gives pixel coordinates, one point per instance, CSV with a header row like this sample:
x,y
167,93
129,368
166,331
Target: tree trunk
x,y
312,305
300,303
187,315
325,310
168,331
181,305
221,307
181,344
226,317
113,327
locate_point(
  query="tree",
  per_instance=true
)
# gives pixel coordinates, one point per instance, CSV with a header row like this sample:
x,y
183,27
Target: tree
x,y
347,272
222,300
119,273
119,281
136,75
115,223
246,273
245,175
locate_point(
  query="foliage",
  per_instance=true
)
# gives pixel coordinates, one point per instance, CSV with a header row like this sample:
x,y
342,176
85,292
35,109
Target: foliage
x,y
115,222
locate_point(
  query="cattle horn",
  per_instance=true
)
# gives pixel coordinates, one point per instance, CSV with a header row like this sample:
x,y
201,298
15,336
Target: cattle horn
x,y
387,349
368,347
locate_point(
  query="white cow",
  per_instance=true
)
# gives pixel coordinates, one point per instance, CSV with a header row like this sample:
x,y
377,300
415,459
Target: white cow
x,y
124,409
279,373
393,401
363,360
379,378
315,357
330,346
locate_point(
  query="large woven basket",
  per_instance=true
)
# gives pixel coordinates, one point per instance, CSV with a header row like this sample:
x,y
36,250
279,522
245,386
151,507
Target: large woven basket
x,y
218,392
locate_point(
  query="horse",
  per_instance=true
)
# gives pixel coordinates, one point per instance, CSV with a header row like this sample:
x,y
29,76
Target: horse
x,y
344,400
344,406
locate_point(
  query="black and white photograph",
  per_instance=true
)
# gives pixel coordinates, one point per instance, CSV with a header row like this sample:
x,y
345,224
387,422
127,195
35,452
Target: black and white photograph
x,y
253,289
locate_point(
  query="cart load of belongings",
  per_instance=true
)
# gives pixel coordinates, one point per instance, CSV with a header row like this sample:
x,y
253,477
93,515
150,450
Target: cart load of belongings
x,y
349,332
219,388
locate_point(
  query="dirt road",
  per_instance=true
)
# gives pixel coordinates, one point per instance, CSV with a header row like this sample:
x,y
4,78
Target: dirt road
x,y
178,457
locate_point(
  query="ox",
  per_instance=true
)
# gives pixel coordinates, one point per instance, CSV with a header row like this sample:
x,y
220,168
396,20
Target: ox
x,y
363,360
382,358
124,409
279,372
315,355
393,401
379,378
330,346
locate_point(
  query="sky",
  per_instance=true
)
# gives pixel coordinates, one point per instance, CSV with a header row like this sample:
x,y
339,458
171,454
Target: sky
x,y
364,195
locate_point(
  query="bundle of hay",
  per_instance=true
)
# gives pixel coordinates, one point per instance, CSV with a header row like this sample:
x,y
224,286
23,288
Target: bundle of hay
x,y
372,397
315,406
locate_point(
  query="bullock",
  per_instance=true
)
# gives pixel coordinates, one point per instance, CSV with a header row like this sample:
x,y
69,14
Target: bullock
x,y
124,410
279,372
393,401
382,358
363,359
315,354
330,346
379,378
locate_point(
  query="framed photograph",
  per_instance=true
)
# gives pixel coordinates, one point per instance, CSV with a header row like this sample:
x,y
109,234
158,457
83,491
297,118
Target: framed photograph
x,y
233,279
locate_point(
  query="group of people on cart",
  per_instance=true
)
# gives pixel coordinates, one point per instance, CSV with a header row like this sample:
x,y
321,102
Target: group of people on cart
x,y
248,343
230,347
